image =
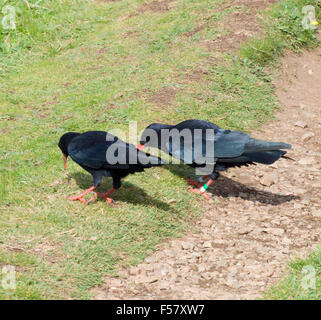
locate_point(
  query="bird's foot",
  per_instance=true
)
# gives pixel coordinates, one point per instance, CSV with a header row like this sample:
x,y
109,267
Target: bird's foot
x,y
194,183
198,191
79,198
104,195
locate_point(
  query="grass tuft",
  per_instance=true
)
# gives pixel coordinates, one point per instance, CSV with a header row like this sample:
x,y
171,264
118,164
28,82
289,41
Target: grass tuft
x,y
283,30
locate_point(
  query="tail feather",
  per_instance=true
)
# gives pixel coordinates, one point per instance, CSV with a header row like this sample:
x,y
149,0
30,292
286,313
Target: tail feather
x,y
259,145
266,157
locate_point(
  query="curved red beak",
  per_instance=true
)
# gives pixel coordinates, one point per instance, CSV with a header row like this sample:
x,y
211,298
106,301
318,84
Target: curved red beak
x,y
140,147
64,157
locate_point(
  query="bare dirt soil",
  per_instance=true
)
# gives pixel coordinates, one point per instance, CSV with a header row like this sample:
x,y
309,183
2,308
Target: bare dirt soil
x,y
240,25
259,217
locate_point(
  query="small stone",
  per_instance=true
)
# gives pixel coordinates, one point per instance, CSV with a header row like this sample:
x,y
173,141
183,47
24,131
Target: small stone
x,y
286,241
134,271
244,230
298,206
277,231
122,274
316,184
206,222
300,191
232,283
201,268
307,161
163,285
207,244
267,180
187,245
307,136
316,213
152,279
310,72
218,243
150,260
301,124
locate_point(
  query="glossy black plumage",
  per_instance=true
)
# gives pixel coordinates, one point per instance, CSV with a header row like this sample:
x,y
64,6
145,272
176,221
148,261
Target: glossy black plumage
x,y
104,155
231,148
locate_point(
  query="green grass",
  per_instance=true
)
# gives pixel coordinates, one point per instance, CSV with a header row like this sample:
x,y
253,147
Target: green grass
x,y
80,65
283,31
296,284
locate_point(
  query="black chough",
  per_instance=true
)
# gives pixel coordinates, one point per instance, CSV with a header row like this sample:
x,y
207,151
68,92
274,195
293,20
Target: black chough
x,y
230,148
104,155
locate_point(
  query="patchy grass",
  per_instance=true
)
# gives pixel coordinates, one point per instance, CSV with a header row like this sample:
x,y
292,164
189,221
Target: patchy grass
x,y
302,280
283,25
80,65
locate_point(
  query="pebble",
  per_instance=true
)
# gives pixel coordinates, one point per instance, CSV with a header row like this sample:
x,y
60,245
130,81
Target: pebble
x,y
206,222
267,180
307,136
307,161
316,213
301,124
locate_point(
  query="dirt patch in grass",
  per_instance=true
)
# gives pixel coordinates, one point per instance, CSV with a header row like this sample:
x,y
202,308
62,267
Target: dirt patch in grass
x,y
163,97
155,6
197,75
251,4
108,0
49,252
195,30
240,26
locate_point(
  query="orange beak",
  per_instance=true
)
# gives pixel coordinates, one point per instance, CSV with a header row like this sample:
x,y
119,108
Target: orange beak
x,y
140,147
64,157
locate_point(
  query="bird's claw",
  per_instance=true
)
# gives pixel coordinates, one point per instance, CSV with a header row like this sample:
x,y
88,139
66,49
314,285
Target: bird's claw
x,y
109,200
79,198
198,191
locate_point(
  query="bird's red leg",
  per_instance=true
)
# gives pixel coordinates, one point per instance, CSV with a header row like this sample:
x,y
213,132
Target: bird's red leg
x,y
202,190
195,183
105,195
80,197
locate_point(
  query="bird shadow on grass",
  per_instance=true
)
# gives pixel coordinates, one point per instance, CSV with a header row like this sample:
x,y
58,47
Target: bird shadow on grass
x,y
132,194
226,187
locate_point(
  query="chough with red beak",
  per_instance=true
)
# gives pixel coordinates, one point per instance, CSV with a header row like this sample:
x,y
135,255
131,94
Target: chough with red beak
x,y
230,148
104,155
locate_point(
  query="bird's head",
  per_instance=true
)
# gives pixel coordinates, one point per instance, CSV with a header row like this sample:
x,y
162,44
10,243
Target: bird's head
x,y
64,141
151,136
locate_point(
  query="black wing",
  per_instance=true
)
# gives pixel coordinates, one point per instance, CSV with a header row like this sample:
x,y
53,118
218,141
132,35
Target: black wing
x,y
102,150
208,146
